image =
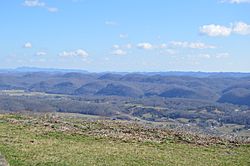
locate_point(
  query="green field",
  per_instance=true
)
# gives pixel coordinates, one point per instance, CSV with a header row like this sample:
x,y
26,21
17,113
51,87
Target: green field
x,y
32,140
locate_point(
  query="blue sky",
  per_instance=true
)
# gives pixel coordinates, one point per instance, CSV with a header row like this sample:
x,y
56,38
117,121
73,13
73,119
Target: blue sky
x,y
126,35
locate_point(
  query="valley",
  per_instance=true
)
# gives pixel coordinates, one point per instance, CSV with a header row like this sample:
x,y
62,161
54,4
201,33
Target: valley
x,y
199,102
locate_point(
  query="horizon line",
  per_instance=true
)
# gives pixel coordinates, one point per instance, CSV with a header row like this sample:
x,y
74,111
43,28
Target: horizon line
x,y
110,71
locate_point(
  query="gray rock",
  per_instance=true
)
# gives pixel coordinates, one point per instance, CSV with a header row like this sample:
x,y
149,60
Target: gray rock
x,y
3,162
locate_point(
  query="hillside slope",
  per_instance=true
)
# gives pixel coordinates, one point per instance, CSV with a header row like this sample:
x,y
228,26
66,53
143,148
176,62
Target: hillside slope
x,y
47,139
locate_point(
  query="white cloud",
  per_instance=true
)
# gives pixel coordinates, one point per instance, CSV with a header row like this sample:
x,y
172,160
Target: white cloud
x,y
145,46
214,56
41,53
119,52
106,59
52,9
33,3
171,51
77,53
123,36
128,46
200,45
163,45
215,30
116,46
193,45
38,3
111,23
222,55
27,45
206,56
241,28
42,60
168,52
235,1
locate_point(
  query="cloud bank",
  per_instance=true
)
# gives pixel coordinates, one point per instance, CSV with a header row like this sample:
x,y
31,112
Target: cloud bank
x,y
240,28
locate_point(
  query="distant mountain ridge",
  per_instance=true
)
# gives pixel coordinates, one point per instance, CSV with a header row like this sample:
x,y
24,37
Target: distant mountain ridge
x,y
37,69
212,88
116,74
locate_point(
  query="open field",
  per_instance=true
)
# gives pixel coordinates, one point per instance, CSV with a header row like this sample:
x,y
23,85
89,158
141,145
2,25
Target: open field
x,y
49,140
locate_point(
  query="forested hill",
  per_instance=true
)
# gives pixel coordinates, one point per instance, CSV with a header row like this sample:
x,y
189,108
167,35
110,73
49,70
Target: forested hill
x,y
207,100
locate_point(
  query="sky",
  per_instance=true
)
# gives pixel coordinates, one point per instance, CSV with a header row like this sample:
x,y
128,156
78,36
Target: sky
x,y
126,35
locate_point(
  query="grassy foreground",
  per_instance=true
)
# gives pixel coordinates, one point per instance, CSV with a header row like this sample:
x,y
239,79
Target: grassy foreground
x,y
26,140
